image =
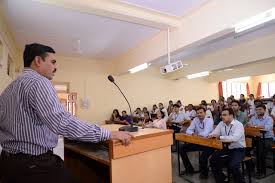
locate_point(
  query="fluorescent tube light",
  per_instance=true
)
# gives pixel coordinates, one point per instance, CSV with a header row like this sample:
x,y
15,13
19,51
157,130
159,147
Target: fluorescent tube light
x,y
138,68
198,75
254,21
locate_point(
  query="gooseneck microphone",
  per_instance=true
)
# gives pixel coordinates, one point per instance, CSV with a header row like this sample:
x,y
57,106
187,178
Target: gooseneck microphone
x,y
130,128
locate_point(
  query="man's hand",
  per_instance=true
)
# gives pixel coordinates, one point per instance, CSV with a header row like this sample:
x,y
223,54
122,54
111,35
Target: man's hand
x,y
124,137
213,136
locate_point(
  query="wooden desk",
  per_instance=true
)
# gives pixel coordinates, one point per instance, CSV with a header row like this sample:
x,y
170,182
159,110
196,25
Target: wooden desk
x,y
213,143
254,132
148,155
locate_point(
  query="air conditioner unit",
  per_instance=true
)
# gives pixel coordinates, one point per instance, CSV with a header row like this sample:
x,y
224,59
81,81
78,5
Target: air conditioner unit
x,y
171,67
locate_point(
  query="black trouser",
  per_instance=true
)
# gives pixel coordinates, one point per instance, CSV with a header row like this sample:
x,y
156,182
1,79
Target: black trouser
x,y
22,168
233,161
203,159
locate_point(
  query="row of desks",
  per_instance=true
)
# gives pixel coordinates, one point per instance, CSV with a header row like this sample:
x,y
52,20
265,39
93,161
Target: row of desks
x,y
251,132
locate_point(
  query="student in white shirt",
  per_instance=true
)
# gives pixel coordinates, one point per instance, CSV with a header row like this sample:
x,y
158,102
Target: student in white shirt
x,y
232,131
191,113
182,109
160,122
138,113
177,118
161,107
208,112
200,126
251,104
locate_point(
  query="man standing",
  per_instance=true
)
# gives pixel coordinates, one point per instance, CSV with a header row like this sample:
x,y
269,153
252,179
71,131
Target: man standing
x,y
230,130
31,118
200,126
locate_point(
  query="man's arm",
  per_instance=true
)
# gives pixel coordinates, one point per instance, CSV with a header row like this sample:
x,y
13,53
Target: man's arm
x,y
191,129
49,110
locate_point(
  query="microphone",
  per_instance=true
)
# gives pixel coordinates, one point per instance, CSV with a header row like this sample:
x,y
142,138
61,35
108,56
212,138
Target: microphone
x,y
128,128
111,78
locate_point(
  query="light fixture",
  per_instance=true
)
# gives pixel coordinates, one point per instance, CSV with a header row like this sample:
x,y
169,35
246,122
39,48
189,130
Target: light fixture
x,y
139,68
239,79
256,20
198,75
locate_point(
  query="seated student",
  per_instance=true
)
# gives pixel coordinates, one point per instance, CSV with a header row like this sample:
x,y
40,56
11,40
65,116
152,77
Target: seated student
x,y
217,114
154,109
229,102
265,121
177,118
239,115
126,119
213,105
146,120
208,112
144,110
242,100
182,109
170,107
221,104
251,105
138,113
190,112
200,126
160,122
253,111
115,116
230,130
161,107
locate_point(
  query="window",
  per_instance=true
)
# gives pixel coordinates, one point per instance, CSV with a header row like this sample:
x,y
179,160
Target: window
x,y
233,88
268,89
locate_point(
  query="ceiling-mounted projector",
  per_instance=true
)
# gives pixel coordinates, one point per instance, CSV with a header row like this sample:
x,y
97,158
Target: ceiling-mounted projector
x,y
171,67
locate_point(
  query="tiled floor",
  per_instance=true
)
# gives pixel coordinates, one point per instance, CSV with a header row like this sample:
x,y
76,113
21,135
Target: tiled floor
x,y
195,178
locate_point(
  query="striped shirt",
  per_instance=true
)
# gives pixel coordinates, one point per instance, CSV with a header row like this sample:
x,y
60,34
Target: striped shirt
x,y
31,117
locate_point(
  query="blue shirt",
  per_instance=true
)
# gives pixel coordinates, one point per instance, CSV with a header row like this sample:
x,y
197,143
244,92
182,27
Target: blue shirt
x,y
202,128
127,118
31,117
267,122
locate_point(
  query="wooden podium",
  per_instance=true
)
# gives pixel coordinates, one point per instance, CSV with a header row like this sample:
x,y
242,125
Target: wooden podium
x,y
147,159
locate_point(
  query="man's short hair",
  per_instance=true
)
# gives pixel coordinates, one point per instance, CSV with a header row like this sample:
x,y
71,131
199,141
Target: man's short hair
x,y
176,105
261,106
33,50
236,101
200,108
230,111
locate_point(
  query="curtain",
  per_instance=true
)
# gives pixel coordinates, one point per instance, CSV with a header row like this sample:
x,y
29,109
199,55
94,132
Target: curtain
x,y
220,89
259,90
247,89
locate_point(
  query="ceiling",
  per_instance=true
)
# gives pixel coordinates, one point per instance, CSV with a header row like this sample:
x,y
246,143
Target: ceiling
x,y
100,37
84,33
217,42
171,7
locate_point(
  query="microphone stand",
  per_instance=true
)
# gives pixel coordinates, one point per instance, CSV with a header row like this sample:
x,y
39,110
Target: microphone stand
x,y
128,128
